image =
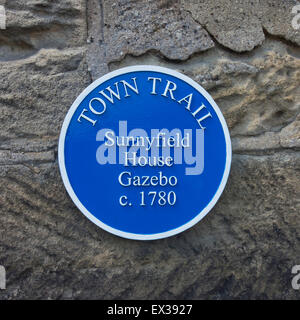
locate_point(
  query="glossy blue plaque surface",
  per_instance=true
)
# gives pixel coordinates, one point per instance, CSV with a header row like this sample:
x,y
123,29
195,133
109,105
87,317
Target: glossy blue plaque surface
x,y
132,199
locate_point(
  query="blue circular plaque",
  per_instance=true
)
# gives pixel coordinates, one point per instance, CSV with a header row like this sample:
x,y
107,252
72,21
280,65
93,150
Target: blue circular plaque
x,y
144,152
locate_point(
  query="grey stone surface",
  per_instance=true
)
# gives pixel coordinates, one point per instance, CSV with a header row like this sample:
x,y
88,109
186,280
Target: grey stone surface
x,y
246,55
239,25
36,92
135,27
38,24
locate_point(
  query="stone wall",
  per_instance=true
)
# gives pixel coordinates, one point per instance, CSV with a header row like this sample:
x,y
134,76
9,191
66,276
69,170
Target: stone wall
x,y
245,53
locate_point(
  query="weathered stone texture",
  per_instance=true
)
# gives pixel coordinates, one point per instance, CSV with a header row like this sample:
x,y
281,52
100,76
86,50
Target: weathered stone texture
x,y
136,27
35,92
246,54
239,25
39,24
